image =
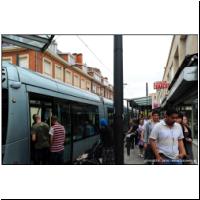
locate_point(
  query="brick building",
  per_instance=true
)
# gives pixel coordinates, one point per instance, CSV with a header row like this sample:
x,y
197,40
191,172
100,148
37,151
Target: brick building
x,y
65,67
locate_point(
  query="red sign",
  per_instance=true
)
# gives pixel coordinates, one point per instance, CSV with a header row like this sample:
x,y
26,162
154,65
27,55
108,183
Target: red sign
x,y
160,85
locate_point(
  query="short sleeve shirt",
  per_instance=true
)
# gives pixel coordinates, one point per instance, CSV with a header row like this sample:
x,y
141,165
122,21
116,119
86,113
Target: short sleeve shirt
x,y
42,135
167,138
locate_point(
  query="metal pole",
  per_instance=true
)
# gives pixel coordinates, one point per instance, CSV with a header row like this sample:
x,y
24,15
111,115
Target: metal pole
x,y
118,100
146,89
128,118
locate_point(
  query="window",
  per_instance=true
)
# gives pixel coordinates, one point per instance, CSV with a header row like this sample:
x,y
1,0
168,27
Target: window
x,y
106,94
102,91
65,119
76,80
4,115
85,69
47,67
171,73
83,84
97,77
88,85
59,73
43,106
85,121
7,59
68,76
23,61
168,79
98,90
105,82
94,88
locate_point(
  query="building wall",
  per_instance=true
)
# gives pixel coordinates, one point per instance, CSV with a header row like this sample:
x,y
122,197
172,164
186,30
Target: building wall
x,y
36,63
181,46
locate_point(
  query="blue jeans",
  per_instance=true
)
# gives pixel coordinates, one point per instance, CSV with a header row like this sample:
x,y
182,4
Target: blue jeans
x,y
172,162
169,161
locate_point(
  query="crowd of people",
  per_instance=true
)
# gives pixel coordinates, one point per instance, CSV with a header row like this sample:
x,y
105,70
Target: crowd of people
x,y
161,141
158,140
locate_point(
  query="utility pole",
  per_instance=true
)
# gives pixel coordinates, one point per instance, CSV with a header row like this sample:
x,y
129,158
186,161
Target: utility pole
x,y
118,100
146,89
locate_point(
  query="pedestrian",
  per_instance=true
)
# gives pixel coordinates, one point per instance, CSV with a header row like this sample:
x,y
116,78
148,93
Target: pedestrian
x,y
133,133
187,141
57,139
140,131
130,138
107,140
40,137
148,153
166,140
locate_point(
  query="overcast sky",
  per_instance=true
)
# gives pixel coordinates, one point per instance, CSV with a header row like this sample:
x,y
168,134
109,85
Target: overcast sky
x,y
144,57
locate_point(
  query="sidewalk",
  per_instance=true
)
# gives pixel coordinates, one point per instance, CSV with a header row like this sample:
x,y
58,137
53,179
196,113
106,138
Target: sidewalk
x,y
133,159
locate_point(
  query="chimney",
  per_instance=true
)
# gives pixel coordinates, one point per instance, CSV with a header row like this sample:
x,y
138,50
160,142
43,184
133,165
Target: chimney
x,y
79,58
64,56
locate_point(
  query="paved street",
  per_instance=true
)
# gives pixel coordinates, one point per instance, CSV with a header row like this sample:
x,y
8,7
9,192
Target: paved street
x,y
133,159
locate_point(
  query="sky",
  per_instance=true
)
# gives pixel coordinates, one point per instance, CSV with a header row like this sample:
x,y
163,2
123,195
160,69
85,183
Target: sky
x,y
144,57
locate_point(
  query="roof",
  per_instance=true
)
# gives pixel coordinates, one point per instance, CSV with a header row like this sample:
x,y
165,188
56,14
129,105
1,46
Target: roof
x,y
35,42
141,101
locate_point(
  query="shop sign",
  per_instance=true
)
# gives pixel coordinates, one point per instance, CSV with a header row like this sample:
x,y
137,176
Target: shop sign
x,y
160,85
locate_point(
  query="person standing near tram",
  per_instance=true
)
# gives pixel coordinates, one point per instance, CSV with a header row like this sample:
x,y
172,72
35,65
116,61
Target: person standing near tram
x,y
40,139
57,140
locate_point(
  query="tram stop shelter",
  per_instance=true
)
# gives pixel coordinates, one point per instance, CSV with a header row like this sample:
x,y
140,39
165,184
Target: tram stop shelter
x,y
140,105
35,42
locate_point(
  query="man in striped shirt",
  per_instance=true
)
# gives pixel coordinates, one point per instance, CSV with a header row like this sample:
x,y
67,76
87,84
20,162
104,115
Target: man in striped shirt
x,y
57,139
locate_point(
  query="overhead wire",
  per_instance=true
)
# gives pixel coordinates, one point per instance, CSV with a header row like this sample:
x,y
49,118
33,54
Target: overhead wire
x,y
100,61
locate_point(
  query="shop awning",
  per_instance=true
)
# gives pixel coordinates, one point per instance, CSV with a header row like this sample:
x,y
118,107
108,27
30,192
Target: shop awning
x,y
35,42
185,83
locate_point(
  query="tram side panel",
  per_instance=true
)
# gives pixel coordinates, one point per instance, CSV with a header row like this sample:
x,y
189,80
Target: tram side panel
x,y
18,132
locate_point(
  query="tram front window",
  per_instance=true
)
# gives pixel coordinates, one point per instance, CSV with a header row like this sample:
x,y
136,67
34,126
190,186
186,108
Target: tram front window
x,y
4,115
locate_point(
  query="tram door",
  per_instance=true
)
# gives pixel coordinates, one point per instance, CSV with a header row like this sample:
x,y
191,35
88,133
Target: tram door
x,y
44,107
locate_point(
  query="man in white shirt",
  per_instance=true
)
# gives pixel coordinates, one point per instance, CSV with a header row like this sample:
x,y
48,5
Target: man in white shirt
x,y
166,140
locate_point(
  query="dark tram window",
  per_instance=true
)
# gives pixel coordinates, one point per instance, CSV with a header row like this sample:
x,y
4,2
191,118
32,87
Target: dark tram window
x,y
85,119
4,115
65,119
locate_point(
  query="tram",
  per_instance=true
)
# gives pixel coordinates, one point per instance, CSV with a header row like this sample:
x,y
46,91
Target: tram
x,y
25,93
